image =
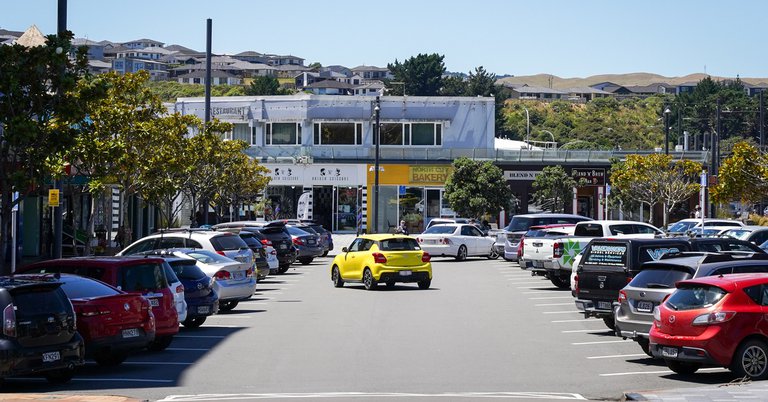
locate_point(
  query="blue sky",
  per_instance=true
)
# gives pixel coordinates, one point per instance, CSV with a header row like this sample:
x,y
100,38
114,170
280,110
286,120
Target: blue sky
x,y
567,38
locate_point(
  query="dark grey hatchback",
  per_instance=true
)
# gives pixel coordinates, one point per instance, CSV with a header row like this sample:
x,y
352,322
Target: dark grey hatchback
x,y
39,335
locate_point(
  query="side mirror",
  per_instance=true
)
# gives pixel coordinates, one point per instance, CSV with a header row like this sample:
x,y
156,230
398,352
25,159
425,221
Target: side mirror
x,y
344,250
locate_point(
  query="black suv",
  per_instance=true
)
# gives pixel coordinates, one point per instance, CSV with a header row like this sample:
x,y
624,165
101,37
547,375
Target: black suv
x,y
274,234
38,330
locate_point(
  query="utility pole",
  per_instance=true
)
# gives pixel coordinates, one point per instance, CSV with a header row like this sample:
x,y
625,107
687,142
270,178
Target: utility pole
x,y
715,155
376,139
208,34
762,121
58,219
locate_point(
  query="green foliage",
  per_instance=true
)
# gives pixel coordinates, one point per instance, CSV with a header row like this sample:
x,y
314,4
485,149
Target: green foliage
x,y
743,176
553,188
262,85
422,75
481,83
454,86
475,188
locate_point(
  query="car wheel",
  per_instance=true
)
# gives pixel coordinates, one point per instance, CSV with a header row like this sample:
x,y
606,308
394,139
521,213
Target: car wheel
x,y
283,268
682,367
305,261
109,359
751,360
609,322
194,322
462,254
425,283
60,376
160,343
336,277
228,305
560,283
368,281
493,255
645,345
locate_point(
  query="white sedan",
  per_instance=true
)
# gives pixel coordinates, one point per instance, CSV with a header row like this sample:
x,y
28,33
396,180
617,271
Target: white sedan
x,y
457,240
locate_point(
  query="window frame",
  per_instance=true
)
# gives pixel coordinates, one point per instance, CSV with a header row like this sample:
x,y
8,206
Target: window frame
x,y
317,128
406,134
268,133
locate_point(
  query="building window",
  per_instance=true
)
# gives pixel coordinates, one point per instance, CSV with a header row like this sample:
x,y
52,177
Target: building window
x,y
283,134
411,134
338,133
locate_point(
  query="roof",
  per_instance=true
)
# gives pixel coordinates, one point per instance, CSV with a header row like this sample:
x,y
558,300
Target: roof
x,y
538,90
85,42
330,84
99,64
144,40
214,74
181,49
586,90
249,53
383,236
503,143
93,261
32,37
369,68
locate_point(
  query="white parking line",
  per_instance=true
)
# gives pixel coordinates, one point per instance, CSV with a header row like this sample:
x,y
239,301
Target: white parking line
x,y
601,342
231,316
617,356
537,292
525,282
561,312
550,297
200,336
657,372
585,330
122,379
553,304
379,395
581,320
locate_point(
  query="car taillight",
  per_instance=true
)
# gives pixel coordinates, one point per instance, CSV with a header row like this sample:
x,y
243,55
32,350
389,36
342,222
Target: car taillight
x,y
445,240
425,257
92,311
558,249
222,274
622,296
180,289
266,242
716,317
249,272
298,241
520,247
220,253
9,321
379,258
657,317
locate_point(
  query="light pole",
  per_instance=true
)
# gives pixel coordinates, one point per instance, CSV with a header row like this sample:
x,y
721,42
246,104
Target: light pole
x,y
554,143
376,139
666,130
527,127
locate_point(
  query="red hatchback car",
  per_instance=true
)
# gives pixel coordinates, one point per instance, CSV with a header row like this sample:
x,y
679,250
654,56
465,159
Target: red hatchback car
x,y
715,321
132,274
112,323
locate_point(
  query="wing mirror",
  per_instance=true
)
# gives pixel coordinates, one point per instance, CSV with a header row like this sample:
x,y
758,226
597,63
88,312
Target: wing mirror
x,y
344,250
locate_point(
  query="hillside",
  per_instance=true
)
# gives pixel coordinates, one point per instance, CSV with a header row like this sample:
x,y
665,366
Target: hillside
x,y
543,80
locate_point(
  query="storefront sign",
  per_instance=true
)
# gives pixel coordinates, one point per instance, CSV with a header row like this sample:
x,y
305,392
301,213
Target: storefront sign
x,y
315,174
594,177
230,113
529,175
429,174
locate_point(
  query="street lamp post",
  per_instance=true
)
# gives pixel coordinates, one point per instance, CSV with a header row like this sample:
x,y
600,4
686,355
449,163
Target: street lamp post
x,y
527,128
666,130
376,139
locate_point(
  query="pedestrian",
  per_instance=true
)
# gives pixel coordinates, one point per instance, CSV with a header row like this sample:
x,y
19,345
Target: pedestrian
x,y
697,213
402,229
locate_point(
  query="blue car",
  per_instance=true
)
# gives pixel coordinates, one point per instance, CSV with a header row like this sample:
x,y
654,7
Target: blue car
x,y
201,299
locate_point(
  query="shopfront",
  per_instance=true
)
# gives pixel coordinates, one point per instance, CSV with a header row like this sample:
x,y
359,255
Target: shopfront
x,y
330,194
413,193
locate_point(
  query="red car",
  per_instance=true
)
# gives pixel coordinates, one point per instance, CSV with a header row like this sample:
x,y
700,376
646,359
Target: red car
x,y
132,274
112,323
714,321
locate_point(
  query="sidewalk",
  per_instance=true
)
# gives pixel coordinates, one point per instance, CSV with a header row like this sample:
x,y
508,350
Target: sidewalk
x,y
67,398
734,391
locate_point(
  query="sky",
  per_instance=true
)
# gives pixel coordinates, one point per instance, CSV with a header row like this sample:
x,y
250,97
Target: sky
x,y
566,38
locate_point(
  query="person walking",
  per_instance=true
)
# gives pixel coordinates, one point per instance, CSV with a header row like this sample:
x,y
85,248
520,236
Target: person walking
x,y
402,228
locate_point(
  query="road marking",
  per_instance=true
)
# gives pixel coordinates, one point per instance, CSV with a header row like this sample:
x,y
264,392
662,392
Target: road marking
x,y
618,356
190,349
561,312
537,292
658,372
582,320
526,282
553,304
231,316
573,331
122,379
550,297
602,342
469,395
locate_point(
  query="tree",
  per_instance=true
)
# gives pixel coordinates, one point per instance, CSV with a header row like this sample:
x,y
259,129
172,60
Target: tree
x,y
743,176
475,188
553,188
37,109
454,85
242,179
481,83
263,85
422,75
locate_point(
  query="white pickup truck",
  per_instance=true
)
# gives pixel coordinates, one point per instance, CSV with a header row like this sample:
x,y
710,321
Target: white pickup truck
x,y
554,255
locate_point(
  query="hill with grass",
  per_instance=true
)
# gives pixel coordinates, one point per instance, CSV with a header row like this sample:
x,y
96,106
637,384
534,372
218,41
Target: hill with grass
x,y
631,79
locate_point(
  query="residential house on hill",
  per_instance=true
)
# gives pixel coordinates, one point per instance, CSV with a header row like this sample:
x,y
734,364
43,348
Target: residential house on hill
x,y
252,57
142,44
95,49
218,77
372,72
526,92
330,87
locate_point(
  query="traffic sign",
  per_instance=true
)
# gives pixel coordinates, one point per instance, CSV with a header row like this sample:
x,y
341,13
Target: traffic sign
x,y
53,197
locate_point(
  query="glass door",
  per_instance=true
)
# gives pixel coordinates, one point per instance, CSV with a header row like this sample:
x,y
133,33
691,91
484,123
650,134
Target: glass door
x,y
433,204
347,209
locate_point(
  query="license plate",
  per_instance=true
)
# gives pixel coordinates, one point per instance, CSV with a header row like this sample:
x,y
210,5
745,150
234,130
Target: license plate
x,y
51,357
154,302
238,275
130,333
538,264
204,310
405,273
604,305
645,306
668,352
283,246
311,241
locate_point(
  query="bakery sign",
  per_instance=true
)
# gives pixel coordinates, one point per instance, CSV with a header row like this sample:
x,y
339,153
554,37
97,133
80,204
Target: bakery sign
x,y
592,177
429,174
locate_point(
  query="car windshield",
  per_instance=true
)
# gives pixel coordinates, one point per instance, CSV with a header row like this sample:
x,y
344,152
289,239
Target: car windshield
x,y
519,224
441,229
740,234
81,288
398,244
682,226
695,296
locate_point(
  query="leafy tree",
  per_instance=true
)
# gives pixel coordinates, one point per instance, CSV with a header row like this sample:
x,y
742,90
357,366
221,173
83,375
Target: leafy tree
x,y
476,188
481,83
553,188
422,75
454,85
242,179
263,85
315,66
37,112
743,176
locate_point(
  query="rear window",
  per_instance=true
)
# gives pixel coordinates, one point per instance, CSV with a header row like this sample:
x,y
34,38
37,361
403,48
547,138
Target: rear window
x,y
207,257
682,226
78,288
187,270
441,229
273,230
654,253
142,277
740,234
589,230
694,296
398,244
614,255
251,240
40,301
169,274
519,224
229,242
659,278
294,231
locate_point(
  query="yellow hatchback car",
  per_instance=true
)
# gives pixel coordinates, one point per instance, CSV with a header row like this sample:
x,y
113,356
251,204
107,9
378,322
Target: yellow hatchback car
x,y
385,258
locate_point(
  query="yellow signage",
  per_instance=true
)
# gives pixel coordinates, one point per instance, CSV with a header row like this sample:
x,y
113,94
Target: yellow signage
x,y
53,197
429,174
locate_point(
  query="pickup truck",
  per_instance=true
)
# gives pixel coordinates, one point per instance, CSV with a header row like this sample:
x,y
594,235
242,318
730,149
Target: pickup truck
x,y
536,243
556,259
